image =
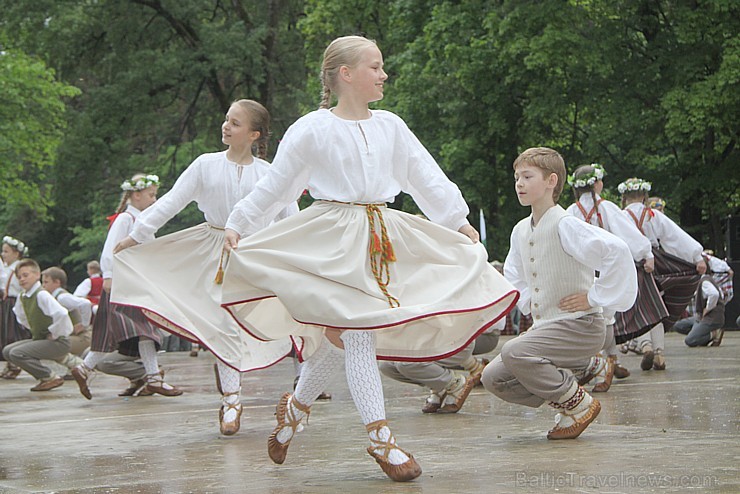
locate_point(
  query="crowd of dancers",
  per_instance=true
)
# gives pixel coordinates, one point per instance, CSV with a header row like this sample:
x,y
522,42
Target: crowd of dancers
x,y
350,281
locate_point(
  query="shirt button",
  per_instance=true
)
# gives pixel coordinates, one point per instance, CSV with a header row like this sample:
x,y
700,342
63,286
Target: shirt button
x,y
534,275
537,316
536,289
531,243
531,259
536,305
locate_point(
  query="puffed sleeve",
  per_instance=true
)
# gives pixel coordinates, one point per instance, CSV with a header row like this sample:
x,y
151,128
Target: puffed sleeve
x,y
616,286
118,231
283,184
675,240
437,196
514,272
624,228
182,193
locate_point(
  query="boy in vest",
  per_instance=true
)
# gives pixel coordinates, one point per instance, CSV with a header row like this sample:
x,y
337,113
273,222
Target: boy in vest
x,y
551,261
54,281
91,287
705,328
50,327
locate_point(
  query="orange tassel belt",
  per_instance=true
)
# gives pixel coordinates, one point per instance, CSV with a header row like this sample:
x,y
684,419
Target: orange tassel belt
x,y
380,248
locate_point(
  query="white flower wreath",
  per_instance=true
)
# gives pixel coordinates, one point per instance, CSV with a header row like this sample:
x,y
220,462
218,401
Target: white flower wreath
x,y
588,179
140,183
16,244
633,185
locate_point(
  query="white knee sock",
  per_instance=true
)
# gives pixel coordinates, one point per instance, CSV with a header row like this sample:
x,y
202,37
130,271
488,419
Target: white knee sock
x,y
92,359
316,373
657,334
363,378
148,353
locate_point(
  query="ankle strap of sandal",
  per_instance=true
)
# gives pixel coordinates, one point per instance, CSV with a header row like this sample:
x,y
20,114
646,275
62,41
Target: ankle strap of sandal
x,y
377,444
290,415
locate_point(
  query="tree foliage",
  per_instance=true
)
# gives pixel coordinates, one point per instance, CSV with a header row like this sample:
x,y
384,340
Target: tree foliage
x,y
646,88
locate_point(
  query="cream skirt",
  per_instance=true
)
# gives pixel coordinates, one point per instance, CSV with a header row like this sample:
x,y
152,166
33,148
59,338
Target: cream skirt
x,y
313,271
172,280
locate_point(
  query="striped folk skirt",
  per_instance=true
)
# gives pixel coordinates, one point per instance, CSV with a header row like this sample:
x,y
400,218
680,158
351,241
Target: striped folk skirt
x,y
677,280
648,311
11,330
115,324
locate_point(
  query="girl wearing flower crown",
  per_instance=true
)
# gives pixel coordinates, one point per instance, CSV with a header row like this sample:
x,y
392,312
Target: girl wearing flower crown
x,y
588,182
181,292
678,265
114,324
13,250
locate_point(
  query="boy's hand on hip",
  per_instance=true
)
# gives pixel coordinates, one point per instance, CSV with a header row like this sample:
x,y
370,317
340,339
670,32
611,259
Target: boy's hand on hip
x,y
575,303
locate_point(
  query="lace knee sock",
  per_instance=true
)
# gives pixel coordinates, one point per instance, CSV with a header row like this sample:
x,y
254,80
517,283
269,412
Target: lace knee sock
x,y
363,378
148,353
316,373
231,386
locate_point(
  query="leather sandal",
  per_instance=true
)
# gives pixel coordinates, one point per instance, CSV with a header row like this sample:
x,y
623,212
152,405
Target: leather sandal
x,y
459,396
81,374
399,473
11,371
230,428
286,417
603,386
155,384
134,386
574,430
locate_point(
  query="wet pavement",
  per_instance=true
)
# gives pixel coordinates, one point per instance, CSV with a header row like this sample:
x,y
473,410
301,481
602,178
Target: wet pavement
x,y
676,430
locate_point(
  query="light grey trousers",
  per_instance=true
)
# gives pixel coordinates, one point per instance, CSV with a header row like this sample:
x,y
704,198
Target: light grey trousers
x,y
28,354
537,366
117,364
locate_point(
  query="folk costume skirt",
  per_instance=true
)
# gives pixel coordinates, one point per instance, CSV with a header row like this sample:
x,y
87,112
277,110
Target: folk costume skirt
x,y
677,280
428,291
115,325
10,329
648,311
173,281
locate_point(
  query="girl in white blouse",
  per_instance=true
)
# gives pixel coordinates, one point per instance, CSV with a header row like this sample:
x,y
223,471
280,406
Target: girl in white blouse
x,y
678,256
349,273
174,277
588,182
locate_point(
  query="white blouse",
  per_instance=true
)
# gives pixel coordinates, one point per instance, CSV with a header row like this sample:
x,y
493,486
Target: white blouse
x,y
120,229
215,184
615,222
595,248
663,232
9,281
363,161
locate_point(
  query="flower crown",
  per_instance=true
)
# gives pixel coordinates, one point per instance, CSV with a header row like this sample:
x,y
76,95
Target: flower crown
x,y
657,203
633,185
587,179
133,185
16,244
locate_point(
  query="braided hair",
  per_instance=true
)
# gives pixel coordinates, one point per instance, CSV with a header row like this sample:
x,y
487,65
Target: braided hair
x,y
259,120
344,51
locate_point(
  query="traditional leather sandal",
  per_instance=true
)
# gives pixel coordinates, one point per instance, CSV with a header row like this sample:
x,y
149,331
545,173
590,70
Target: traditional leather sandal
x,y
592,372
155,384
134,386
285,418
579,425
230,428
459,396
11,371
399,473
603,386
81,374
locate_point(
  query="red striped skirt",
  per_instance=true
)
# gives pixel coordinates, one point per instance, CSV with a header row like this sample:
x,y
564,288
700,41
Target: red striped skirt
x,y
677,281
115,324
10,329
648,311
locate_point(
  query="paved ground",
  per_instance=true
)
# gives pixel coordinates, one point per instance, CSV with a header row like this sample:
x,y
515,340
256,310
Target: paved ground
x,y
670,431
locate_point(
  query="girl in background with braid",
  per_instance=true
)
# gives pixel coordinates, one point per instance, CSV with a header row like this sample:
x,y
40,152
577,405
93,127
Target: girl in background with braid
x,y
114,324
587,182
173,278
679,265
347,278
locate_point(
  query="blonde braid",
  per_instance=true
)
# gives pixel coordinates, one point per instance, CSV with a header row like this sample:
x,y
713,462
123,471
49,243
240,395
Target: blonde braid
x,y
124,202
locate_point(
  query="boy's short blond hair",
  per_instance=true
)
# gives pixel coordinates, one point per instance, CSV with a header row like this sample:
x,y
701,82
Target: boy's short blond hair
x,y
27,263
95,266
549,161
56,274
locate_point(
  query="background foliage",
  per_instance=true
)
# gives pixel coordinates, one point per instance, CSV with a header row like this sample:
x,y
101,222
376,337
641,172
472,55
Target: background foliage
x,y
92,91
